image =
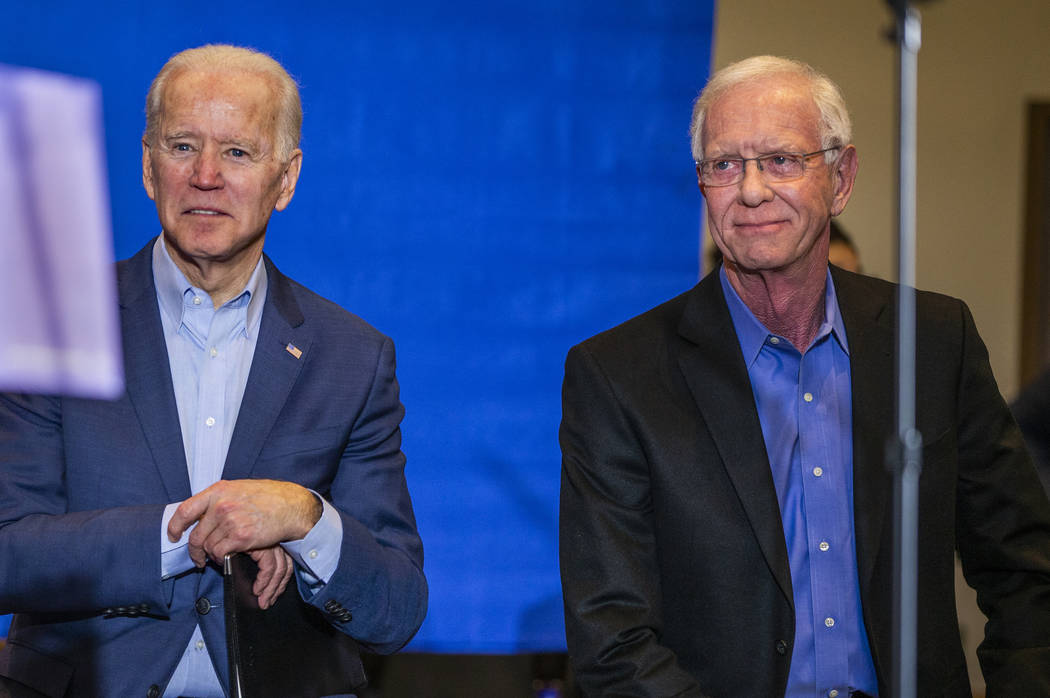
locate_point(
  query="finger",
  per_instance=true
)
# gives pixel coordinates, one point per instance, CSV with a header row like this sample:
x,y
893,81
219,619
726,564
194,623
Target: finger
x,y
220,543
197,554
289,568
203,539
186,513
264,576
282,564
267,569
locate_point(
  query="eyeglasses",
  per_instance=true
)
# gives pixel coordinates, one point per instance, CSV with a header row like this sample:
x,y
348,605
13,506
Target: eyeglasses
x,y
777,167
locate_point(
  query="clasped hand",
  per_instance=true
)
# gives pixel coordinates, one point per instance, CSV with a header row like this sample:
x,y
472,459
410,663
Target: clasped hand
x,y
252,516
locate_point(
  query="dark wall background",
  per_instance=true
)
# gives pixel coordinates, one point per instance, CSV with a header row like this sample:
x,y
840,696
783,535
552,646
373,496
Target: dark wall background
x,y
488,183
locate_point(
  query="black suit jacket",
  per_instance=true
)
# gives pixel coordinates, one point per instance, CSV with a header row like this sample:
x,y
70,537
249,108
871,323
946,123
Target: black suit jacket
x,y
673,558
1032,411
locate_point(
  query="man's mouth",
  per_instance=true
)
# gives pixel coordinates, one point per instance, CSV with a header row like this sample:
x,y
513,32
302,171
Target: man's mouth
x,y
204,212
757,225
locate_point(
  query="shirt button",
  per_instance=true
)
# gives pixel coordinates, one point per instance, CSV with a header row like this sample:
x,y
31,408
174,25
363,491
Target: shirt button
x,y
313,554
214,352
210,421
818,471
829,622
808,397
774,340
824,546
200,644
833,693
196,300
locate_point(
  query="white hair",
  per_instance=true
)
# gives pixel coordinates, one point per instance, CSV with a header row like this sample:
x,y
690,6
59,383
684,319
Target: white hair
x,y
835,127
223,57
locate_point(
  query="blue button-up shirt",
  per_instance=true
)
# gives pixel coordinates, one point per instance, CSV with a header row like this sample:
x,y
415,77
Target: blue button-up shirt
x,y
804,405
210,352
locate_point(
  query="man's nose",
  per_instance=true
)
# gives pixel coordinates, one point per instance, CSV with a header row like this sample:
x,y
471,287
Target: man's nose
x,y
207,170
753,187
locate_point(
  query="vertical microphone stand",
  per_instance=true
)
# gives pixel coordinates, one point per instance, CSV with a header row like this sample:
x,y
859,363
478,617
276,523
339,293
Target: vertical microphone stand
x,y
905,447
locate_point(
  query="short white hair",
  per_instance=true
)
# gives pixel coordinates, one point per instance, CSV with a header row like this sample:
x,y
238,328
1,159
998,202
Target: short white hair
x,y
835,126
223,57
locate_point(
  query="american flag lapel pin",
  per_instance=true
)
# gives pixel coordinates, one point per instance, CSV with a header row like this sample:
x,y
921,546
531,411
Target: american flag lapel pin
x,y
293,350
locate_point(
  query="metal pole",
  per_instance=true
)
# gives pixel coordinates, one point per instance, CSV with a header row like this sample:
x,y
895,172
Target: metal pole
x,y
906,446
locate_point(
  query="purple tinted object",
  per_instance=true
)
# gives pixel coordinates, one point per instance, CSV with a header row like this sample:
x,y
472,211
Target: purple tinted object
x,y
59,328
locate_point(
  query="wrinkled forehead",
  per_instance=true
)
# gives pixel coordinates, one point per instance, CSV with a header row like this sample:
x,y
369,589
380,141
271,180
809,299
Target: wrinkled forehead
x,y
243,96
762,107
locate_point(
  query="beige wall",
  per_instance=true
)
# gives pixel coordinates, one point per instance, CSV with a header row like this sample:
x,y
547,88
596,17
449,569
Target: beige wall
x,y
979,65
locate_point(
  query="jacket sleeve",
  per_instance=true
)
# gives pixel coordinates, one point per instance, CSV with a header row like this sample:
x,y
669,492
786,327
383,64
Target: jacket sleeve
x,y
1032,411
378,593
610,577
1003,529
55,559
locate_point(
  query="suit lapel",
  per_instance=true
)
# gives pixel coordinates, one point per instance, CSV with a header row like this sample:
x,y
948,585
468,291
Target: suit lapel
x,y
717,377
868,317
275,368
148,374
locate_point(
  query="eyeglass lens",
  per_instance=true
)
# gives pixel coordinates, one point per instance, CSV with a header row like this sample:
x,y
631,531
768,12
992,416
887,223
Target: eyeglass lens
x,y
777,167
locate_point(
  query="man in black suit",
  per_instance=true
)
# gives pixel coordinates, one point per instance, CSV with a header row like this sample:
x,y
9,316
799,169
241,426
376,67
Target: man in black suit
x,y
726,515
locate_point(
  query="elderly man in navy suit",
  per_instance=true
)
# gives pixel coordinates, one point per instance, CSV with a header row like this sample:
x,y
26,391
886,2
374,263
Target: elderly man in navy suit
x,y
258,418
726,514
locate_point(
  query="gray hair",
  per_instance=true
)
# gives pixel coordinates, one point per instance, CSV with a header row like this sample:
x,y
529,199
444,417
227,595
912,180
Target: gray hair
x,y
835,127
223,57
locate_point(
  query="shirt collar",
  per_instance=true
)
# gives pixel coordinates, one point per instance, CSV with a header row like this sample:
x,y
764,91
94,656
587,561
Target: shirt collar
x,y
172,288
752,334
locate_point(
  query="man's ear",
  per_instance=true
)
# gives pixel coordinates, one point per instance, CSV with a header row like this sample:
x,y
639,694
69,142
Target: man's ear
x,y
288,180
147,169
843,177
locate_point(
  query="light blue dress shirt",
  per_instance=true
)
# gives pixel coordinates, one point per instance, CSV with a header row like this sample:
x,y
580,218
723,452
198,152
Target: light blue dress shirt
x,y
804,405
210,352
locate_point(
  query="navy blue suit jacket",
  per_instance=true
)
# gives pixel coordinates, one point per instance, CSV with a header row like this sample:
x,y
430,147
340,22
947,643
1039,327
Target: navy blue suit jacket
x,y
83,484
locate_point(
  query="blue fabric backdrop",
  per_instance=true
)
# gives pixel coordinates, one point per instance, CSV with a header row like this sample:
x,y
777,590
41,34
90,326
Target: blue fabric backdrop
x,y
488,183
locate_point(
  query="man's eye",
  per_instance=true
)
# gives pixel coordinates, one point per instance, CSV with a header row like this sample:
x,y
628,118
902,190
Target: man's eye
x,y
181,147
778,159
722,165
237,153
